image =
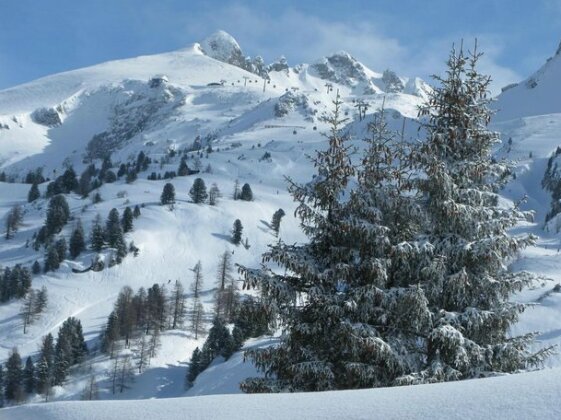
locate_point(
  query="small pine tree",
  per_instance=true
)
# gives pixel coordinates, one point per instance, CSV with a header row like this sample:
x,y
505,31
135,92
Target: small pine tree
x,y
13,221
85,182
44,378
219,341
77,241
136,211
68,181
183,169
275,222
236,193
168,194
237,337
97,235
36,267
127,220
28,377
213,195
114,234
237,232
110,335
52,259
61,249
122,170
246,194
132,176
47,349
112,226
194,368
198,191
41,300
40,238
34,193
45,366
197,284
70,349
58,214
13,386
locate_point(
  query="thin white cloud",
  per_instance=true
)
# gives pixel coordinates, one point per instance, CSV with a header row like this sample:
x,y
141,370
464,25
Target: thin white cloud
x,y
430,58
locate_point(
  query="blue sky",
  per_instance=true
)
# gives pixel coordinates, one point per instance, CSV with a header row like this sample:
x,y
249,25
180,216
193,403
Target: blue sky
x,y
413,37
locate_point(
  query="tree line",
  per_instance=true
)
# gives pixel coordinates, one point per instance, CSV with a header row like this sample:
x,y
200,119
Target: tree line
x,y
52,366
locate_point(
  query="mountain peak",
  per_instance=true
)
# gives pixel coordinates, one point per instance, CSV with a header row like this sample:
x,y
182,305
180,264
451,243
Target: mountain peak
x,y
222,47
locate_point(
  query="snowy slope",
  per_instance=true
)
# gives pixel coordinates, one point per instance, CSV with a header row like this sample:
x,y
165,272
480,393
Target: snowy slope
x,y
244,118
530,396
537,95
52,120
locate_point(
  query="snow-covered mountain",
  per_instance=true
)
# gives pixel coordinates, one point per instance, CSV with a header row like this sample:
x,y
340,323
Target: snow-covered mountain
x,y
241,119
537,95
165,101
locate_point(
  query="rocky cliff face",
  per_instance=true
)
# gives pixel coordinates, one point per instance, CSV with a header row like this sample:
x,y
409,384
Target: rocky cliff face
x,y
223,47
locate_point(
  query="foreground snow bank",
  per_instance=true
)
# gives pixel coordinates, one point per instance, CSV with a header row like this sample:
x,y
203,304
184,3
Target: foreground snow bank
x,y
533,395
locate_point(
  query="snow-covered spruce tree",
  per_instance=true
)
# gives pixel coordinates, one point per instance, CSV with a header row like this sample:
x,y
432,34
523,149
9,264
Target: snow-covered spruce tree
x,y
246,194
70,349
468,287
237,232
168,195
194,368
314,352
127,220
136,211
198,191
34,193
58,214
114,234
77,240
97,235
376,314
28,376
45,366
13,380
276,221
